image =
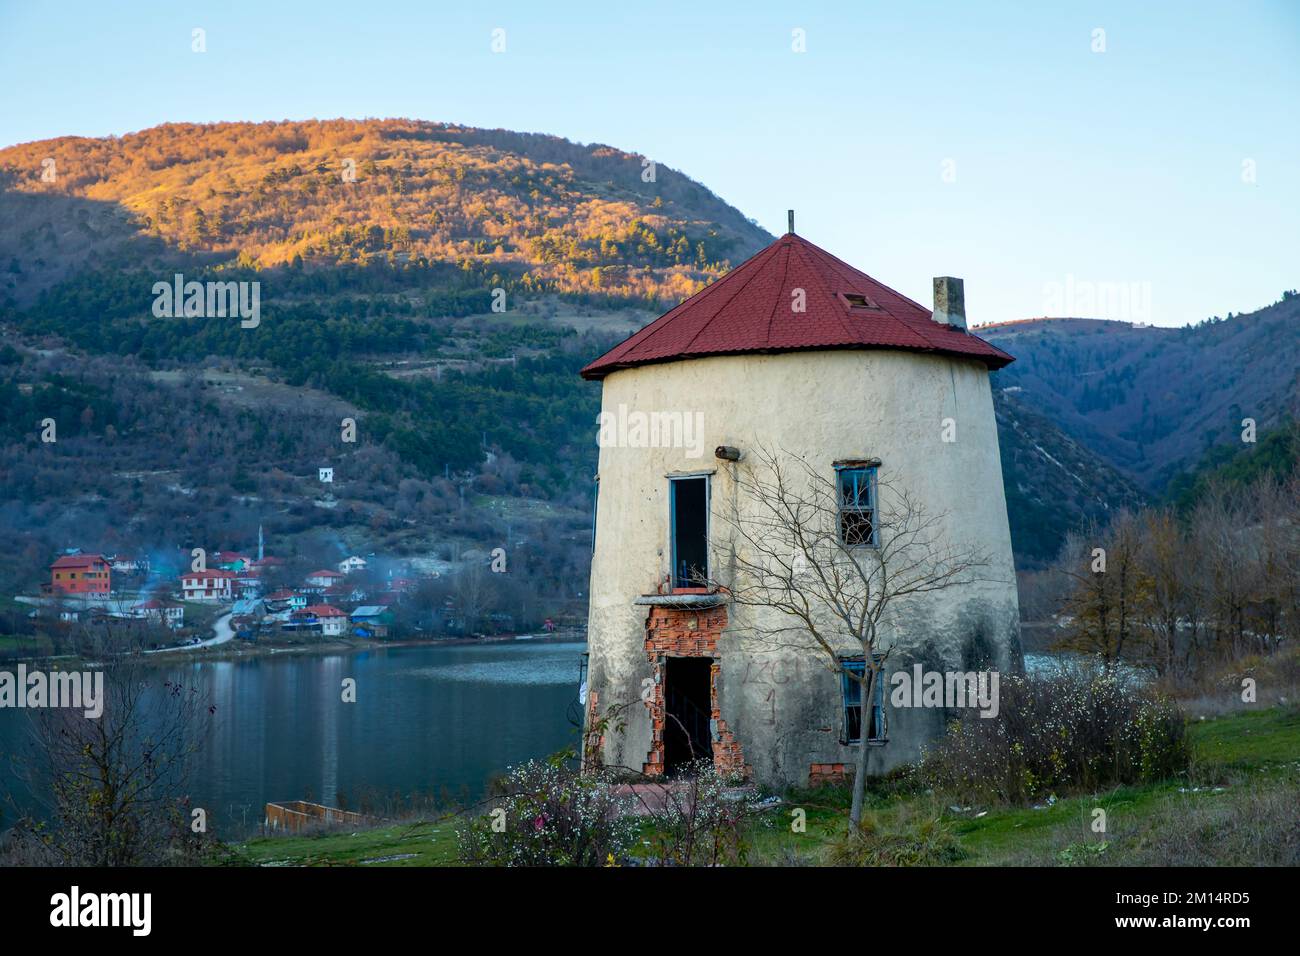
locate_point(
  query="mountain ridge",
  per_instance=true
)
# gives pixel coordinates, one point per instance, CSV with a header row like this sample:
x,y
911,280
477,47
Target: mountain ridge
x,y
571,217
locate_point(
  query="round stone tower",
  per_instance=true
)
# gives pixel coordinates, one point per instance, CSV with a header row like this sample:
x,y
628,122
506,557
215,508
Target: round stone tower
x,y
793,356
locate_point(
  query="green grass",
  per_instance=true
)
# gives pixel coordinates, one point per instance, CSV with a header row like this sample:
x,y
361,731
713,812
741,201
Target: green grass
x,y
417,844
30,646
1251,740
1248,753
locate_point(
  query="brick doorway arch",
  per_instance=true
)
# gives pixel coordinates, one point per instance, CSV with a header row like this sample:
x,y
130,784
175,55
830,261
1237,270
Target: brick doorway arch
x,y
683,634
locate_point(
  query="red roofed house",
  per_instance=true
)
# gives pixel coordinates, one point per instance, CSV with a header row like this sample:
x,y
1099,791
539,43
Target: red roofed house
x,y
81,574
323,579
332,621
209,585
799,363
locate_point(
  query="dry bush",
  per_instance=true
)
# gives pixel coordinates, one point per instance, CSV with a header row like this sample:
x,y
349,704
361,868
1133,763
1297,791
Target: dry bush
x,y
1075,730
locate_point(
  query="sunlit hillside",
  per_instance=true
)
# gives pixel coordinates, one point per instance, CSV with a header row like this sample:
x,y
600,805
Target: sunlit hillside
x,y
555,215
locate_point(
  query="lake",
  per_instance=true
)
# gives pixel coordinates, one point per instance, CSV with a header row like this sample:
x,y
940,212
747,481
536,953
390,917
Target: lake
x,y
426,720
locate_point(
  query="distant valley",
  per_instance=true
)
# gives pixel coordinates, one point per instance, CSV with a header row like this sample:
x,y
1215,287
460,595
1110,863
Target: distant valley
x,y
384,249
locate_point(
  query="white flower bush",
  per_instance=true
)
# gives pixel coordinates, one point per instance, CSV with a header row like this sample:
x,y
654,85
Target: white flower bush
x,y
1073,730
550,815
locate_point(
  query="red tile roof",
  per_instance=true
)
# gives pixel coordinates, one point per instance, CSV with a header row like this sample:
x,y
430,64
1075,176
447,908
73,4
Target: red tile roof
x,y
209,575
324,610
749,310
77,561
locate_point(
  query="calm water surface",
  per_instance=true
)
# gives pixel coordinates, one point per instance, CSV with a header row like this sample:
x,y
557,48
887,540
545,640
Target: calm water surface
x,y
426,720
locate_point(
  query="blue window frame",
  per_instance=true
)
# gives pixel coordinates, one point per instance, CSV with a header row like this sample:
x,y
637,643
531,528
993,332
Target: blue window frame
x,y
688,504
851,691
856,497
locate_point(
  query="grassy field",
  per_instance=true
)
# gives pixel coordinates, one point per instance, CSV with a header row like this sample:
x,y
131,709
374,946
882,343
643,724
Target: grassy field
x,y
1237,805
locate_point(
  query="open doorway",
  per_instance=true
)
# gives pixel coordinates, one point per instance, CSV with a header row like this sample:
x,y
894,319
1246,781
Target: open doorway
x,y
690,529
687,711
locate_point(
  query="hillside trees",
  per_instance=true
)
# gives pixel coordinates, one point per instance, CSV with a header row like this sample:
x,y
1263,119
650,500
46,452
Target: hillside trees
x,y
1178,593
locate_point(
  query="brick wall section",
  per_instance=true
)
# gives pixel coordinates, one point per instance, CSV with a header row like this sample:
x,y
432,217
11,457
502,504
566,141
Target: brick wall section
x,y
677,632
728,758
594,744
683,633
820,774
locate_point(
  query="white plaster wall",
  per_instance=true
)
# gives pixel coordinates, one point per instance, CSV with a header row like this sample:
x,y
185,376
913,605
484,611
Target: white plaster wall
x,y
826,406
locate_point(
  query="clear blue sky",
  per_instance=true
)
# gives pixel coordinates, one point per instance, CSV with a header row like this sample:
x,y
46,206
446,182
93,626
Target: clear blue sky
x,y
1117,167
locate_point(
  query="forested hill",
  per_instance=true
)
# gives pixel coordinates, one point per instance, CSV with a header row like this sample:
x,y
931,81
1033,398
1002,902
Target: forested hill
x,y
544,212
1151,402
380,249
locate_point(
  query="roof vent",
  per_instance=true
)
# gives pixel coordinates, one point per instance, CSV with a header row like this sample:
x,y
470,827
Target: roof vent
x,y
857,300
949,302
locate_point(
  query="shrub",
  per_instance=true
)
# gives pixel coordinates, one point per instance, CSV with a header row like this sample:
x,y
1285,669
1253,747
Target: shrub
x,y
1072,730
700,823
549,815
924,840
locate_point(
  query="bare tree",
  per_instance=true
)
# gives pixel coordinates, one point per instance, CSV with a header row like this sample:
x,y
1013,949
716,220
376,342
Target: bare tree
x,y
1163,559
474,595
115,787
1107,590
1274,612
836,578
1228,552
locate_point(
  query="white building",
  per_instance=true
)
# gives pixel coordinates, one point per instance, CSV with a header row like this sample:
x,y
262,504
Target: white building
x,y
354,563
323,579
165,612
333,622
208,585
852,387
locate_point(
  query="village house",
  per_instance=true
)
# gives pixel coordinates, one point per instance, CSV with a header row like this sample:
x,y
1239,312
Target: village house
x,y
372,620
344,594
796,352
211,585
333,622
283,601
322,579
232,561
161,611
248,585
354,563
85,574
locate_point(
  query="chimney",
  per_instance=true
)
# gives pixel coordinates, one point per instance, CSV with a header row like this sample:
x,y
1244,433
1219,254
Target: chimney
x,y
790,213
949,302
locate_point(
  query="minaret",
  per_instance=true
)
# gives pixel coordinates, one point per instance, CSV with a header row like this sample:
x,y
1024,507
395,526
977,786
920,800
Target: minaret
x,y
260,550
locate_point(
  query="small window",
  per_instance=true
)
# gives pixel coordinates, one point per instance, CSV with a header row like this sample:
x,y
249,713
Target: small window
x,y
852,694
857,504
858,301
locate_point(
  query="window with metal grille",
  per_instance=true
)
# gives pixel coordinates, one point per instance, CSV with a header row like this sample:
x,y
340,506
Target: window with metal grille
x,y
856,487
